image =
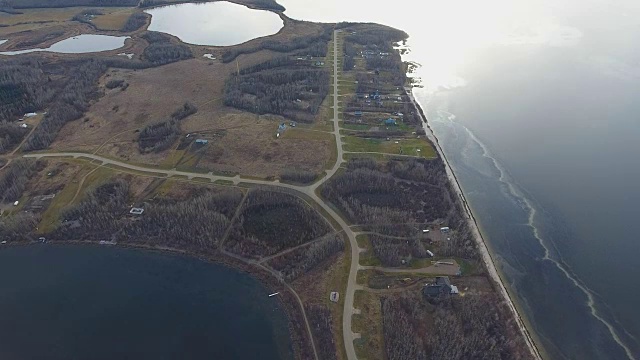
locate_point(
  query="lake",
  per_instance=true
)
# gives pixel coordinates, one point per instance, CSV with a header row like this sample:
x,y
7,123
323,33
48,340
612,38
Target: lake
x,y
85,43
100,302
536,106
215,24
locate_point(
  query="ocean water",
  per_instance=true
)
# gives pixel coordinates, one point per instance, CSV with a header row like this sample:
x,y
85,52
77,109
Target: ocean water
x,y
99,302
536,104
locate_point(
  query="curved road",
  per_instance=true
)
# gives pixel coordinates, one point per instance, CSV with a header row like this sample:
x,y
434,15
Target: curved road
x,y
309,190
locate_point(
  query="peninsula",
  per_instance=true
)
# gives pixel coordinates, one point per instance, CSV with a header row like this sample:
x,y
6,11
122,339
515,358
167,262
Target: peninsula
x,y
300,158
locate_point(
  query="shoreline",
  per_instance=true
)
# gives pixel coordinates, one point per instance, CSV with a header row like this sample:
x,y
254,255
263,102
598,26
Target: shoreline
x,y
482,246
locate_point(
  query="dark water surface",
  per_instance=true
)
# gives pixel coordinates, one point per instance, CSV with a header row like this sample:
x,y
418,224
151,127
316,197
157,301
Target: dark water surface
x,y
97,302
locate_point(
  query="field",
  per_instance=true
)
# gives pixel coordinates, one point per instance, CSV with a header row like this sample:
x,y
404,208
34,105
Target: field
x,y
34,21
401,146
239,142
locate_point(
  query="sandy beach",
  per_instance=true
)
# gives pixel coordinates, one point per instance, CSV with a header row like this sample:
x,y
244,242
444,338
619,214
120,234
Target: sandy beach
x,y
480,241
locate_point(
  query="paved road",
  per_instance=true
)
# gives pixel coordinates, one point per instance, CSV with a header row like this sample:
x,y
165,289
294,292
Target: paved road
x,y
309,190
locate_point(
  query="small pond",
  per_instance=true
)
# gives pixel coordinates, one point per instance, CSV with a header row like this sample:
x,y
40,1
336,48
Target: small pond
x,y
86,43
101,302
215,24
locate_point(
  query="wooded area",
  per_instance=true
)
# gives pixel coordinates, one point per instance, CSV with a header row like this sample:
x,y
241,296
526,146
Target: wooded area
x,y
269,88
271,221
313,45
398,198
195,223
13,179
456,328
301,261
11,134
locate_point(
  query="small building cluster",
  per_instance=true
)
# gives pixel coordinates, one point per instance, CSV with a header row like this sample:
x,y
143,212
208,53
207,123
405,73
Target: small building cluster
x,y
441,287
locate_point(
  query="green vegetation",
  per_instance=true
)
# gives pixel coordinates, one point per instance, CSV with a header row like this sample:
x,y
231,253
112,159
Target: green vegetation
x,y
407,147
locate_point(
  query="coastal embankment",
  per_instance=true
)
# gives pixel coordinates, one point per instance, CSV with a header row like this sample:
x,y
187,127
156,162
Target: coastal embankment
x,y
482,247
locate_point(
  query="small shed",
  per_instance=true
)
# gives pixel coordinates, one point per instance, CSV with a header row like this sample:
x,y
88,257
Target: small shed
x,y
202,141
334,297
136,211
358,113
445,229
390,122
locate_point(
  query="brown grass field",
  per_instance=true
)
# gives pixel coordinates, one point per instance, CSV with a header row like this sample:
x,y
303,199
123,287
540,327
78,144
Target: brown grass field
x,y
239,142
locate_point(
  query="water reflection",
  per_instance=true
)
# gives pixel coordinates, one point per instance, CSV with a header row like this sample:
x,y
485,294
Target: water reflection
x,y
216,24
86,43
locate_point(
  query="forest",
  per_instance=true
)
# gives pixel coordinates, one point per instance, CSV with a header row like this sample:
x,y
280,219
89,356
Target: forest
x,y
398,198
135,22
13,179
195,223
299,262
298,176
456,328
70,103
24,87
314,45
294,92
11,134
271,221
320,319
162,51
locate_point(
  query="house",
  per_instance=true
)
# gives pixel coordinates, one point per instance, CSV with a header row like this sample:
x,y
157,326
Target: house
x,y
390,122
441,287
136,211
444,229
24,126
358,113
202,141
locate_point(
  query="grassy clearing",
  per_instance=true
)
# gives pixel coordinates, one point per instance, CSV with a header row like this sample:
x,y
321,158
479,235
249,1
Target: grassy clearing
x,y
113,20
224,182
369,324
367,258
303,134
407,147
92,175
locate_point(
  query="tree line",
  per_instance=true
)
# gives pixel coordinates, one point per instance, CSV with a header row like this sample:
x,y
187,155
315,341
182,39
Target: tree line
x,y
162,51
135,22
10,135
13,179
24,87
279,91
469,327
70,103
28,4
314,45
